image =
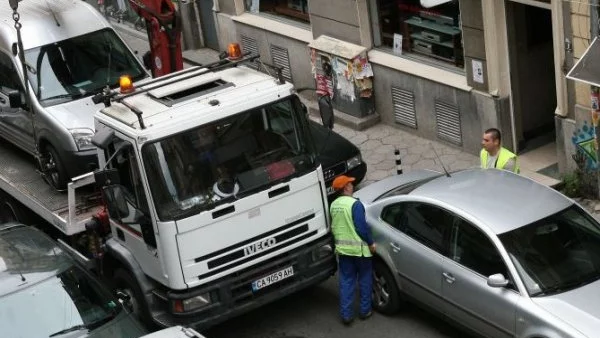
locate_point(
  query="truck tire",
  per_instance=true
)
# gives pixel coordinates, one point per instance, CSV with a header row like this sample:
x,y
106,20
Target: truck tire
x,y
125,282
11,210
386,297
55,171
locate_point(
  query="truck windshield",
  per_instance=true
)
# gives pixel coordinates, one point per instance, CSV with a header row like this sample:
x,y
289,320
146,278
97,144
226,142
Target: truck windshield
x,y
80,66
228,159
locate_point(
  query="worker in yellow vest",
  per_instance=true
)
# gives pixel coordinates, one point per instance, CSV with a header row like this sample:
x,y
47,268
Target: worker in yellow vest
x,y
354,247
494,155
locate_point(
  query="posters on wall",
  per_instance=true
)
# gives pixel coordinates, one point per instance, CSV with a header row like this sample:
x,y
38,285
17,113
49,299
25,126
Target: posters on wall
x,y
349,77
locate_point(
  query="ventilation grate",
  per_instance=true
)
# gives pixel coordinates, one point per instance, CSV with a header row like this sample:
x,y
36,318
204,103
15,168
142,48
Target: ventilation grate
x,y
249,45
447,118
404,107
281,59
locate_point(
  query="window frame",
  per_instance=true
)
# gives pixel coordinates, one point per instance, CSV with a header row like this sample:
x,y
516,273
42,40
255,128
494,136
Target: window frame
x,y
293,16
376,35
444,248
458,221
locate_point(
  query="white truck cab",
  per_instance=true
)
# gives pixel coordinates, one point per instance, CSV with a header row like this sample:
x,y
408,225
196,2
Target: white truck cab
x,y
216,201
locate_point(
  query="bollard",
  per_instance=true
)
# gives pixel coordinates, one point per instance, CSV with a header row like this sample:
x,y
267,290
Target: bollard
x,y
398,162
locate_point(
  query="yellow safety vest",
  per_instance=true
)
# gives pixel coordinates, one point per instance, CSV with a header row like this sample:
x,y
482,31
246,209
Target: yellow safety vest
x,y
347,241
503,156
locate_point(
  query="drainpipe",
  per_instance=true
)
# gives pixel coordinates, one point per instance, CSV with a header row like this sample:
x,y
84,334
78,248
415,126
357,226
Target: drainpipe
x,y
558,37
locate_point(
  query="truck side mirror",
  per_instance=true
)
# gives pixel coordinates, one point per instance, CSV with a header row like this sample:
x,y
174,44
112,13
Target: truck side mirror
x,y
102,138
326,111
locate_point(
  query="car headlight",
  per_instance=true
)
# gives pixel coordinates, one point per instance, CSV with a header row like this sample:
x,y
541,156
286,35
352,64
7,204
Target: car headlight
x,y
83,138
354,162
193,303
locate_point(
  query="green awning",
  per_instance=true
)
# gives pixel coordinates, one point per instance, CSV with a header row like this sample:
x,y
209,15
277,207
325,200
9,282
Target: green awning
x,y
587,69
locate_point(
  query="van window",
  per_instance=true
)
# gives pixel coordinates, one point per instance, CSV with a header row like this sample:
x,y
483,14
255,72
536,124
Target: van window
x,y
80,66
10,76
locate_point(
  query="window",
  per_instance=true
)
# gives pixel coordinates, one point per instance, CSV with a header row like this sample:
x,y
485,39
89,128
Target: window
x,y
433,32
10,77
425,223
293,9
474,250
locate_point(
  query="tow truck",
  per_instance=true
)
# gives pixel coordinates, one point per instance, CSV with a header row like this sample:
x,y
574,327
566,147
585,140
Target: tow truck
x,y
208,201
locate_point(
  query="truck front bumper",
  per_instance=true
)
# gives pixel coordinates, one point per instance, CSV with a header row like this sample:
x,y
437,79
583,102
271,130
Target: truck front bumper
x,y
233,295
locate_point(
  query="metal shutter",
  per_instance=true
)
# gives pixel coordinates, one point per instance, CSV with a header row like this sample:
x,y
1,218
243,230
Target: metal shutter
x,y
281,59
447,118
404,107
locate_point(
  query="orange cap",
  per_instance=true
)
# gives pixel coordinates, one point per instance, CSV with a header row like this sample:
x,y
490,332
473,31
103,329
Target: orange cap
x,y
341,181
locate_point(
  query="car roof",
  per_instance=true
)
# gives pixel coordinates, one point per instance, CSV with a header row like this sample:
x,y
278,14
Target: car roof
x,y
500,199
27,256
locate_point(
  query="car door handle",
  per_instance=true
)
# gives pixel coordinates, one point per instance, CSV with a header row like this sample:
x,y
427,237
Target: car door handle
x,y
395,246
449,278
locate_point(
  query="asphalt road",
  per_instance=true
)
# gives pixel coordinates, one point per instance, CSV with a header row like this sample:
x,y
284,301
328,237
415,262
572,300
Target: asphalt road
x,y
313,313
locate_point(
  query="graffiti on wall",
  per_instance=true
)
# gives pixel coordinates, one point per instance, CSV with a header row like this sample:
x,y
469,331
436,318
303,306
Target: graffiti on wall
x,y
585,141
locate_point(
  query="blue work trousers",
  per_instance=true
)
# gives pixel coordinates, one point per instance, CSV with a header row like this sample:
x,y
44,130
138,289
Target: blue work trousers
x,y
351,270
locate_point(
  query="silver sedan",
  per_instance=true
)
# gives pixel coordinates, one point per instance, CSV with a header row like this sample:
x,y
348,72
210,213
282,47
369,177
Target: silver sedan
x,y
494,252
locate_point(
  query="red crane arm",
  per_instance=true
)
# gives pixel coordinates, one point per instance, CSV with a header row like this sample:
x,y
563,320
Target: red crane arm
x,y
163,25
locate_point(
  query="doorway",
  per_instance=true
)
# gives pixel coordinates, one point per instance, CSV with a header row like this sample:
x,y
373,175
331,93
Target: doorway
x,y
531,58
209,27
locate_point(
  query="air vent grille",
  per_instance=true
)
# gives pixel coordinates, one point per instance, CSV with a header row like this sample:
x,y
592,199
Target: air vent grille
x,y
404,107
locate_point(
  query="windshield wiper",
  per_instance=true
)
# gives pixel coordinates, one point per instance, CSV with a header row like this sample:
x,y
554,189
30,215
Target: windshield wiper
x,y
88,326
64,96
568,286
70,329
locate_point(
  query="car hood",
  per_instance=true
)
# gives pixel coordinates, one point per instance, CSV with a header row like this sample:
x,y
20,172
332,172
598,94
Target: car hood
x,y
75,114
332,147
579,308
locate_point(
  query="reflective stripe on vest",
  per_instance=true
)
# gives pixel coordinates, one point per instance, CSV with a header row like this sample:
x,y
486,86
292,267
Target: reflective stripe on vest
x,y
504,155
347,241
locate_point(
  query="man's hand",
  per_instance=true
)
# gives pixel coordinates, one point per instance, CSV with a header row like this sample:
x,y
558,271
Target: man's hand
x,y
372,248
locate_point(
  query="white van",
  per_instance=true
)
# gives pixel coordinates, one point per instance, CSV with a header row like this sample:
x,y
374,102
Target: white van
x,y
71,53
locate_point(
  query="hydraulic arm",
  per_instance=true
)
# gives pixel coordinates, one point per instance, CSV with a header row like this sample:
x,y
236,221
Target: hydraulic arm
x,y
163,25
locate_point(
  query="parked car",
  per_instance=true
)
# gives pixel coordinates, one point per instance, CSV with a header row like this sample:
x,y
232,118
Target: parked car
x,y
337,155
71,53
44,292
490,250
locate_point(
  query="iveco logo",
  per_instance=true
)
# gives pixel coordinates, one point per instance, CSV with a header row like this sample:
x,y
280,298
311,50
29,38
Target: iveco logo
x,y
260,246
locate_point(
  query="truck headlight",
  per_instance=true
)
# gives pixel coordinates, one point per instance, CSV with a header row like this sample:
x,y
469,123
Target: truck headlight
x,y
83,138
193,303
354,162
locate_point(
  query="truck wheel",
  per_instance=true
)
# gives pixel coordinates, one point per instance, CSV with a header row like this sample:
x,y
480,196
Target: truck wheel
x,y
386,298
54,169
11,210
125,282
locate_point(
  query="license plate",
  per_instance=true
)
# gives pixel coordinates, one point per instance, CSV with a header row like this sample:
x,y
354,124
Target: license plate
x,y
273,278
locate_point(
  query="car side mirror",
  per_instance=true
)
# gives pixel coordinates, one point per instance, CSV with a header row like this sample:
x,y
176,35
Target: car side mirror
x,y
326,111
497,281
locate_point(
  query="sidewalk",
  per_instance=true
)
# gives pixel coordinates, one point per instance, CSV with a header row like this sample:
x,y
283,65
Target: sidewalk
x,y
376,143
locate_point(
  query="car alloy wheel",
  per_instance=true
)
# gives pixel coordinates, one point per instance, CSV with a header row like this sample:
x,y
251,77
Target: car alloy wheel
x,y
386,297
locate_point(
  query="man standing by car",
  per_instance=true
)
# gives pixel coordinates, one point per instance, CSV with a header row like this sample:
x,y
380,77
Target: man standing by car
x,y
494,155
354,247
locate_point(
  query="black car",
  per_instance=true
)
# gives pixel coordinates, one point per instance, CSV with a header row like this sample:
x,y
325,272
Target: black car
x,y
337,155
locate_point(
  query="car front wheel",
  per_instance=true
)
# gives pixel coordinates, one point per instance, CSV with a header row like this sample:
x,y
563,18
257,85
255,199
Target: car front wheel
x,y
386,298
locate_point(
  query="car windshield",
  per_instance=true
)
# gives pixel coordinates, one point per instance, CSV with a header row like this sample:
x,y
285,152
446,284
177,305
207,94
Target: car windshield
x,y
557,253
80,66
43,293
228,159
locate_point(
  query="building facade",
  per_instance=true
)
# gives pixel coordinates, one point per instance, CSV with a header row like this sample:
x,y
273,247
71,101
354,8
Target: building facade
x,y
442,69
